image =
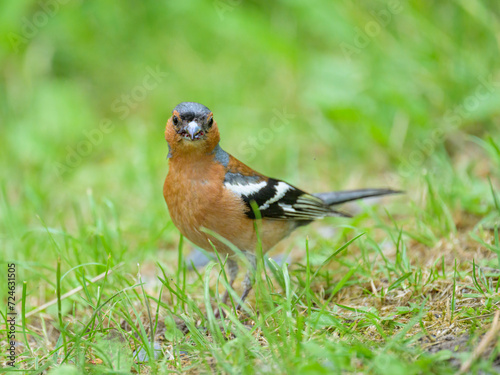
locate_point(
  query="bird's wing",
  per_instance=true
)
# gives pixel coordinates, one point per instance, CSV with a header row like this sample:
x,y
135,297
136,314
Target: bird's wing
x,y
276,199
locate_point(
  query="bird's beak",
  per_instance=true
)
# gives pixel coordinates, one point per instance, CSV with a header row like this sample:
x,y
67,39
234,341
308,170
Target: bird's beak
x,y
193,128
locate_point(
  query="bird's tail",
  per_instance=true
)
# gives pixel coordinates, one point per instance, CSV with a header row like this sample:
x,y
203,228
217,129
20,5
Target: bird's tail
x,y
337,197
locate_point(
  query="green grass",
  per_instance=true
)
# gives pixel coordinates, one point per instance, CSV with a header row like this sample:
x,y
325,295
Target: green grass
x,y
414,106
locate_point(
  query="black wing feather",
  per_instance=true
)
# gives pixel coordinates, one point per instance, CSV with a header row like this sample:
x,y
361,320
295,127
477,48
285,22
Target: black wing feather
x,y
276,199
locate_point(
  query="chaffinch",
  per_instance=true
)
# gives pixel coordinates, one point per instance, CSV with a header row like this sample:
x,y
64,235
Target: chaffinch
x,y
208,188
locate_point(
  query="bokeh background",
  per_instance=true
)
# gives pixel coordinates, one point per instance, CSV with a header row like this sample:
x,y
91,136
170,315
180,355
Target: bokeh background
x,y
323,94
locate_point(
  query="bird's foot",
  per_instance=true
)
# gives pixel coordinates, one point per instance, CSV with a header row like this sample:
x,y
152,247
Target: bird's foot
x,y
220,313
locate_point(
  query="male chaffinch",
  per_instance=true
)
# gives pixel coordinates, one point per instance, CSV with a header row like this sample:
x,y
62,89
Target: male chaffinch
x,y
208,188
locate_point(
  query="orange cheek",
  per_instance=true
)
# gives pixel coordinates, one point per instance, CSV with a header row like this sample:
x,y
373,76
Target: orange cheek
x,y
170,134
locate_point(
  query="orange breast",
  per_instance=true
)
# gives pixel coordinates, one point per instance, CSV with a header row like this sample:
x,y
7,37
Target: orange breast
x,y
196,198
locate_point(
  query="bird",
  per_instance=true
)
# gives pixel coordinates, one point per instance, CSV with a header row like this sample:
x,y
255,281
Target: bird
x,y
213,198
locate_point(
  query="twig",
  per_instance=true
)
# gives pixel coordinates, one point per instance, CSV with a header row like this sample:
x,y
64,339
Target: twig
x,y
374,289
483,345
71,292
477,317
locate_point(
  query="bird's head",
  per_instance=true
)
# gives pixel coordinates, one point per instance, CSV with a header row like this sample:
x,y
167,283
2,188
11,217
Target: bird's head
x,y
191,128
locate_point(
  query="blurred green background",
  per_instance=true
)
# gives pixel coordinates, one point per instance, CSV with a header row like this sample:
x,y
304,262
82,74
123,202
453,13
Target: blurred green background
x,y
326,95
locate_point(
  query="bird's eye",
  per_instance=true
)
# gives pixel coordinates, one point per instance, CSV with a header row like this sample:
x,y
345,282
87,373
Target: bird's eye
x,y
210,121
175,120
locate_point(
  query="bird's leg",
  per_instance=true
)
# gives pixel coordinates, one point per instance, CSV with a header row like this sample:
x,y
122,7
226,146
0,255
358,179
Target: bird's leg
x,y
232,270
248,281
